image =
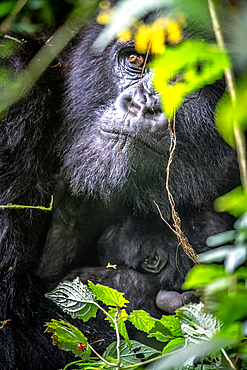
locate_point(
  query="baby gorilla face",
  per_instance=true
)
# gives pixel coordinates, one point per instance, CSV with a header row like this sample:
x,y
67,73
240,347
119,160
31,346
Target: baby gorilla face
x,y
148,252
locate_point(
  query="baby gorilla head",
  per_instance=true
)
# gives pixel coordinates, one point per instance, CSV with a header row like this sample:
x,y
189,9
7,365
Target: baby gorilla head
x,y
152,249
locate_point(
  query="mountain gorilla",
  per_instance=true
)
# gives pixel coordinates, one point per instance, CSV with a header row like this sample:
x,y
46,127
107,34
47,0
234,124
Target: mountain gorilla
x,y
77,137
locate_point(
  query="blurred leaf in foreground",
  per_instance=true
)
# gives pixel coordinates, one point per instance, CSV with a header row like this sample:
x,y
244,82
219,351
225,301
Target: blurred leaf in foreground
x,y
186,68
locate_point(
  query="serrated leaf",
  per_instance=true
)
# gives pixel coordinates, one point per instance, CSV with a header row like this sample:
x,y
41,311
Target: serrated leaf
x,y
108,296
168,327
142,320
67,337
139,352
75,298
173,344
186,68
196,324
201,275
122,317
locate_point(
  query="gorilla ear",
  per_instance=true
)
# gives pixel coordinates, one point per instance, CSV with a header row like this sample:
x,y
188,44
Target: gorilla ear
x,y
155,261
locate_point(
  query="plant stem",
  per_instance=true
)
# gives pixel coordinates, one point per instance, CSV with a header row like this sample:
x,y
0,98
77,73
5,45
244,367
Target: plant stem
x,y
228,359
101,358
239,135
118,336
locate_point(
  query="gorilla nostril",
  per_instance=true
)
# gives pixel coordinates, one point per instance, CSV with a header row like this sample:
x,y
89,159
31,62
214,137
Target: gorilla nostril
x,y
169,301
151,112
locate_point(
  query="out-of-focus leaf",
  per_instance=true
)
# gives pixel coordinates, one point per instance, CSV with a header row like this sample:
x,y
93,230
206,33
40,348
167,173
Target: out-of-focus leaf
x,y
6,7
235,257
181,70
108,296
200,350
228,115
201,275
67,337
75,298
221,238
229,306
216,255
234,202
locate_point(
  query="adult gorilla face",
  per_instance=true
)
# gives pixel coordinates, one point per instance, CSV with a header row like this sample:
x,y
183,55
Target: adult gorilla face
x,y
116,140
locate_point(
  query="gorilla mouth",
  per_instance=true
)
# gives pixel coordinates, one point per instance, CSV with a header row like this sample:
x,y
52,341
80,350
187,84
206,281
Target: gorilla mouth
x,y
125,135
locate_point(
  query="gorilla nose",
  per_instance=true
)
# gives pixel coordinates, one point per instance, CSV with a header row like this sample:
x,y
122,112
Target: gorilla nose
x,y
169,301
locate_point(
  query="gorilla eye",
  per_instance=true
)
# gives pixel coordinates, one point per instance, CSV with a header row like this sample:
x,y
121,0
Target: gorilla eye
x,y
136,59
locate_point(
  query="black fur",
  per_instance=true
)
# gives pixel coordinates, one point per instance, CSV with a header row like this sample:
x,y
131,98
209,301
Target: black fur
x,y
67,138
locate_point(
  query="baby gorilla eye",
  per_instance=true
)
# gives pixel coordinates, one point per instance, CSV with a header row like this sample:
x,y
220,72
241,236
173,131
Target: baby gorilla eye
x,y
136,59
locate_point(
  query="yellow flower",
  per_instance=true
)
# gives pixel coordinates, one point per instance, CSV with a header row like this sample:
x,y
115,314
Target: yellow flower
x,y
103,18
158,41
143,39
124,36
174,33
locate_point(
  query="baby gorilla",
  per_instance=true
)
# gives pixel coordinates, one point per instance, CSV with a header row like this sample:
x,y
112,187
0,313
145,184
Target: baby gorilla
x,y
146,261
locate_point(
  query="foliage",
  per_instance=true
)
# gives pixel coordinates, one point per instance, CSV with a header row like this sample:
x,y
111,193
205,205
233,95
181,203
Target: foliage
x,y
223,288
191,325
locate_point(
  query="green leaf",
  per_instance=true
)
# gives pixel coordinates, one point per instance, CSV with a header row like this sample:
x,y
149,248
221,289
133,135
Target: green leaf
x,y
196,324
201,275
142,320
168,327
200,350
6,7
228,114
186,68
108,296
139,352
229,306
67,337
173,344
75,298
234,202
122,317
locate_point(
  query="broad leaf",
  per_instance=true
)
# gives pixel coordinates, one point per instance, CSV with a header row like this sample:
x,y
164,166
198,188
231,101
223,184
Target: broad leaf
x,y
173,344
108,296
181,70
201,275
75,298
234,202
196,324
139,352
228,114
168,327
142,320
67,337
